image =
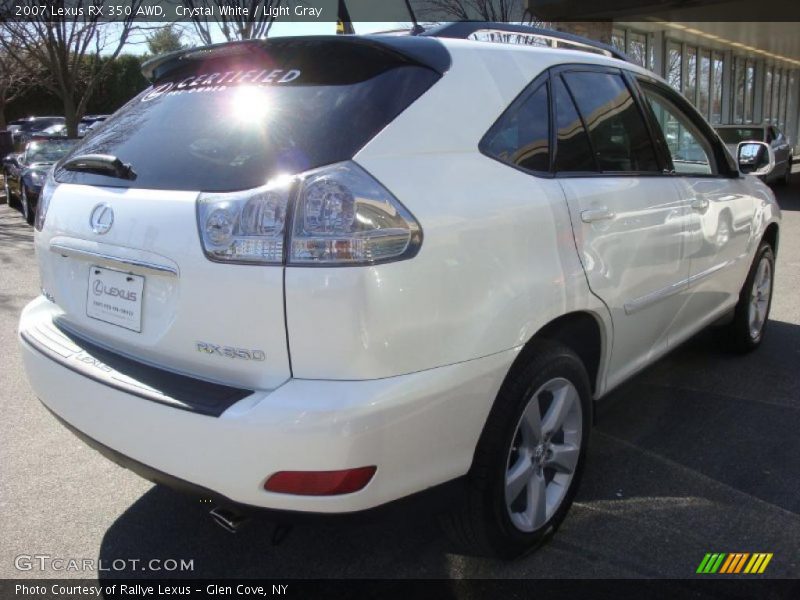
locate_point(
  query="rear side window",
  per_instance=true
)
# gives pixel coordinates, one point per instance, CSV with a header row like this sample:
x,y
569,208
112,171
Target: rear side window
x,y
617,130
573,151
521,136
235,120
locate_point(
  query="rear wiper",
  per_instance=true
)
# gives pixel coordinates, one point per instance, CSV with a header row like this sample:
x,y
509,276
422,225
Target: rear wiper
x,y
102,164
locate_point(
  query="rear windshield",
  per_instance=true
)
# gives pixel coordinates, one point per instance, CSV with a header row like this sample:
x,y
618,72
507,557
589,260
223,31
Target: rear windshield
x,y
224,124
734,135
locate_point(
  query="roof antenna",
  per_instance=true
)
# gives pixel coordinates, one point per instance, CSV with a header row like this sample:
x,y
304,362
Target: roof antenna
x,y
417,28
344,26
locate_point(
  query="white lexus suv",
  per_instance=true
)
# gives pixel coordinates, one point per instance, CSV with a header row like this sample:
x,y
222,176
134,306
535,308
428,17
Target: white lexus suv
x,y
321,274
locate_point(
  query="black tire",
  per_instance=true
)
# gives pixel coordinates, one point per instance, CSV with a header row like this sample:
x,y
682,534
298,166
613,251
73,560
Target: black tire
x,y
787,178
9,196
481,524
740,335
28,212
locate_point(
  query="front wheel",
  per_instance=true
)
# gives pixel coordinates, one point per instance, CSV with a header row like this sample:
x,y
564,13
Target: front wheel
x,y
529,459
746,331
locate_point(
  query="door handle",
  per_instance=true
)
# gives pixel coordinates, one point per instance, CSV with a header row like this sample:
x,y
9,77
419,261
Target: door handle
x,y
596,214
699,204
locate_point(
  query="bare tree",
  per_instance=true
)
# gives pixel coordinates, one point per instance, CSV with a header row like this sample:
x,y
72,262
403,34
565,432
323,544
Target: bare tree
x,y
236,25
506,11
15,80
73,54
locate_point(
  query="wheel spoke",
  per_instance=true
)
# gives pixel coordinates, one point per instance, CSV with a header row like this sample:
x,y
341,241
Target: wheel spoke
x,y
563,399
536,512
518,477
564,458
761,268
531,424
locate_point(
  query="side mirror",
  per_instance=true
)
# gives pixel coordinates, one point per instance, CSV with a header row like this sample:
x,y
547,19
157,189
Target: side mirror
x,y
756,158
11,159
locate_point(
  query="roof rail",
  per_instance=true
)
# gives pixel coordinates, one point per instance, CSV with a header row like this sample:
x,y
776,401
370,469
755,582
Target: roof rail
x,y
464,29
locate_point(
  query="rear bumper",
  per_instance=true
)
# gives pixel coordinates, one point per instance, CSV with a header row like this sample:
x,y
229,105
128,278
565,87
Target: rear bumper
x,y
420,429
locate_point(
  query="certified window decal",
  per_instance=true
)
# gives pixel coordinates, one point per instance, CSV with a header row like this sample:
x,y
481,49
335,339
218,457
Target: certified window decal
x,y
220,80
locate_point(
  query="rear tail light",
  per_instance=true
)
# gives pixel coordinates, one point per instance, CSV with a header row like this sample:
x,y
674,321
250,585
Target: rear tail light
x,y
320,483
44,200
330,216
247,226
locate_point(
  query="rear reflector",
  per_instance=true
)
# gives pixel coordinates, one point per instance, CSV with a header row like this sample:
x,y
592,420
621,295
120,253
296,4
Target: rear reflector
x,y
320,483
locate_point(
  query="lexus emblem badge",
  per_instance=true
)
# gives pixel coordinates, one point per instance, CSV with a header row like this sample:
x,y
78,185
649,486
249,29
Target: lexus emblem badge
x,y
102,218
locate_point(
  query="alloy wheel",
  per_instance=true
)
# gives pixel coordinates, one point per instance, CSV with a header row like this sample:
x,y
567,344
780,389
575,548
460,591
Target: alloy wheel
x,y
543,455
759,297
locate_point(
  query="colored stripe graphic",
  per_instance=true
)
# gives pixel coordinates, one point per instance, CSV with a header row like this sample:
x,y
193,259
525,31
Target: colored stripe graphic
x,y
764,564
733,563
703,563
711,563
741,562
728,562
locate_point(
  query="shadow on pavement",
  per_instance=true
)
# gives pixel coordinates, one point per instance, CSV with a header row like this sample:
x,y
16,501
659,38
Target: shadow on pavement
x,y
789,195
691,456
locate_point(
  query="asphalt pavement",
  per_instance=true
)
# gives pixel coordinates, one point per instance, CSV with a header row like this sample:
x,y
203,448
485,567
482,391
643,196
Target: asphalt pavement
x,y
697,454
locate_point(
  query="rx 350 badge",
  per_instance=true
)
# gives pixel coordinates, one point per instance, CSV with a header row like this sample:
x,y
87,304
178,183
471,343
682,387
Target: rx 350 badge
x,y
230,352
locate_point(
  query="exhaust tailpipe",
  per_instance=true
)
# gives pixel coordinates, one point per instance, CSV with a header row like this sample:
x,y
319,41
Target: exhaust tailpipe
x,y
229,520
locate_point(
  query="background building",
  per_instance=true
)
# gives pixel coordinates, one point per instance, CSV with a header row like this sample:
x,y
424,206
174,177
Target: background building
x,y
723,55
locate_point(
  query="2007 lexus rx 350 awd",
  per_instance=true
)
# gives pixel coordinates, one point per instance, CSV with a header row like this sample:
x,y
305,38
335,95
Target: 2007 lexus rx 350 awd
x,y
321,274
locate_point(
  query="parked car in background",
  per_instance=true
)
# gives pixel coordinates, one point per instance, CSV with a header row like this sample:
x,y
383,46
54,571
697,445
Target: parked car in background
x,y
90,122
57,130
733,135
32,126
327,284
25,173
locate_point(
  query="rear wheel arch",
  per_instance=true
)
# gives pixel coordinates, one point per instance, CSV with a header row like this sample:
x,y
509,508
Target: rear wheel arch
x,y
771,235
581,332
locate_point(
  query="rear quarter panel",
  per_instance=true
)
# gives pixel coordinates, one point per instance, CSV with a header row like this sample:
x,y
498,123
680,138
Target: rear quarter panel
x,y
498,259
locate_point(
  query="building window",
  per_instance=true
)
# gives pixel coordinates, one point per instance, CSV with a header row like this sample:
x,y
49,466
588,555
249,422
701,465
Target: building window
x,y
717,65
789,120
618,39
749,91
690,87
777,94
637,48
738,89
636,45
674,65
704,83
768,76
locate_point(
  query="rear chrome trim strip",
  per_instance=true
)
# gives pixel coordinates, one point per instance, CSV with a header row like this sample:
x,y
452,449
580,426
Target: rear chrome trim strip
x,y
150,267
643,302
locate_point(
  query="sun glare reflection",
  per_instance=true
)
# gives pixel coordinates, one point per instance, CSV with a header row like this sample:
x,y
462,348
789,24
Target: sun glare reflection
x,y
249,104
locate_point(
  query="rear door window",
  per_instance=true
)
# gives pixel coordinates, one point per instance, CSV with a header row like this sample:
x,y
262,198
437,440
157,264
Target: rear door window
x,y
617,130
233,121
573,150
